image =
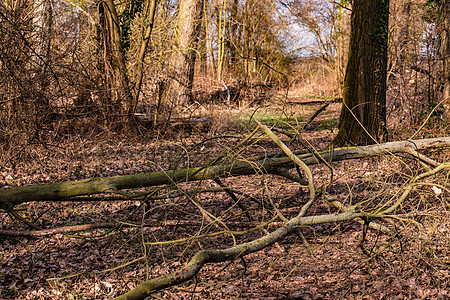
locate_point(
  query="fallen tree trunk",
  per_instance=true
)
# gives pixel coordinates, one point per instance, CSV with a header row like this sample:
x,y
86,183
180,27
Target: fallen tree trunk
x,y
66,190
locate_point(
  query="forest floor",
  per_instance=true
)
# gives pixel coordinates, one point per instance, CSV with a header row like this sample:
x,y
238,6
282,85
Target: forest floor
x,y
104,263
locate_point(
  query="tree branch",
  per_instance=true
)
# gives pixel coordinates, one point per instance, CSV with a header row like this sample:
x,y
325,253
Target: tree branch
x,y
216,256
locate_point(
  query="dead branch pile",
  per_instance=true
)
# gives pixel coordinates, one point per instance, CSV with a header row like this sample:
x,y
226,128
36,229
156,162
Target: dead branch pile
x,y
278,164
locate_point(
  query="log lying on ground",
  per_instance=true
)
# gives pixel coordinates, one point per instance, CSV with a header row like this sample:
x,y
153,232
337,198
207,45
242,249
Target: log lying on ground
x,y
66,190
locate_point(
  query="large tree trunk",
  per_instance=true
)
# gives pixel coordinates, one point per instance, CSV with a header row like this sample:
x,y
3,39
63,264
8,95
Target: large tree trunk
x,y
446,55
179,89
343,35
363,115
115,66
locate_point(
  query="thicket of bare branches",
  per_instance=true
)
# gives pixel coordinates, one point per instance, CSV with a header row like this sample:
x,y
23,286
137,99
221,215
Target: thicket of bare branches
x,y
77,68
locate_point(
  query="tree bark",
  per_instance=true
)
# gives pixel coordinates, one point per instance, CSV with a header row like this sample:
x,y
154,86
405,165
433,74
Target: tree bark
x,y
343,35
363,114
117,77
446,56
179,89
42,22
151,9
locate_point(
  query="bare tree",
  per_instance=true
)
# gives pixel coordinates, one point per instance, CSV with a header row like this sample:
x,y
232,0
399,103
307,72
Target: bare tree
x,y
445,39
179,89
342,36
150,16
115,64
42,23
320,18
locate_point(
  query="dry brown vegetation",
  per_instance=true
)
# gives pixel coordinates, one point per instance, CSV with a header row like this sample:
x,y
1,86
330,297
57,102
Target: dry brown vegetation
x,y
175,223
374,227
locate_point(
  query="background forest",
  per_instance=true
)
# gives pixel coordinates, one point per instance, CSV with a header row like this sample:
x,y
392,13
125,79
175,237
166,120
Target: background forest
x,y
173,149
108,64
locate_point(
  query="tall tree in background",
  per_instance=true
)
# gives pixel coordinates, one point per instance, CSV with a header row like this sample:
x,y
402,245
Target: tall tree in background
x,y
321,19
42,23
150,18
404,25
445,39
342,36
116,74
179,89
328,23
363,114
